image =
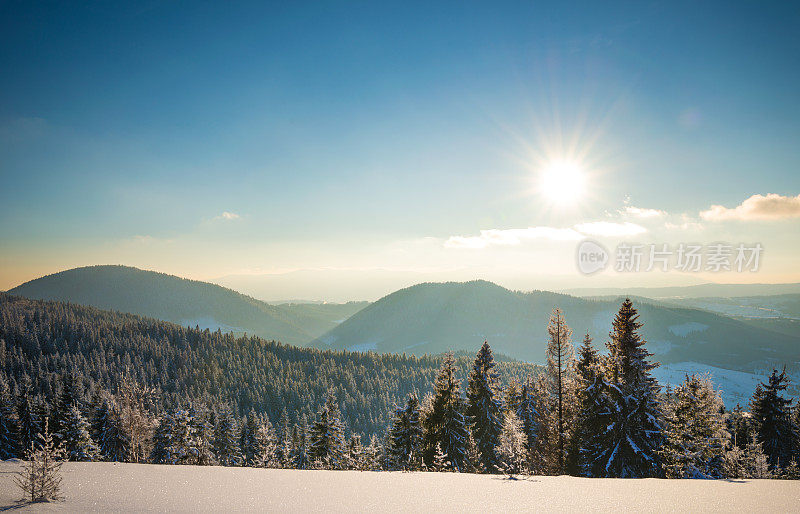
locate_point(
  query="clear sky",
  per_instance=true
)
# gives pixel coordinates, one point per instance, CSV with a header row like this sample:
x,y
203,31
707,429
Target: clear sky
x,y
375,139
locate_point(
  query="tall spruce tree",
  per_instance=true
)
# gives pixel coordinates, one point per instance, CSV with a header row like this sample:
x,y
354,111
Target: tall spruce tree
x,y
266,446
629,447
527,413
559,361
592,410
226,439
248,441
327,436
772,420
695,436
9,433
445,425
75,437
405,436
484,409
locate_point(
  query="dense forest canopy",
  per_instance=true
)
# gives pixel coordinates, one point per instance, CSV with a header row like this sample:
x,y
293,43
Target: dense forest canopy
x,y
43,339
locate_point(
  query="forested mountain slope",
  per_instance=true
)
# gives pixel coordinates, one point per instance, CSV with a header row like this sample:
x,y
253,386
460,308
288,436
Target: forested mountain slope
x,y
435,317
186,302
43,339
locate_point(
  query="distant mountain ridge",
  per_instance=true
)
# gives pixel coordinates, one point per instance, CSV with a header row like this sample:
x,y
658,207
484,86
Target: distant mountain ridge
x,y
435,317
184,301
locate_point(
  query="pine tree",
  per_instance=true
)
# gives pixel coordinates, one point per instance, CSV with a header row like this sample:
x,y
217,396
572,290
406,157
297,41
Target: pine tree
x,y
71,394
266,446
299,453
30,415
484,408
248,438
528,414
511,447
772,420
695,435
592,416
629,447
405,436
444,424
559,361
327,436
226,440
9,430
284,440
75,436
114,441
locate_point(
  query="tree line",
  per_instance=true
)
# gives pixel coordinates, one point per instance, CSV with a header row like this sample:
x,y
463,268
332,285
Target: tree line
x,y
586,414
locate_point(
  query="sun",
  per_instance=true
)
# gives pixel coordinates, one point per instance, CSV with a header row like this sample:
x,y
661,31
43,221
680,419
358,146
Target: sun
x,y
562,182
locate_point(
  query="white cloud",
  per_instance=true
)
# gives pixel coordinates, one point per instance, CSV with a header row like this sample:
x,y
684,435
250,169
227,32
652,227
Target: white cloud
x,y
641,212
228,216
610,229
513,236
757,207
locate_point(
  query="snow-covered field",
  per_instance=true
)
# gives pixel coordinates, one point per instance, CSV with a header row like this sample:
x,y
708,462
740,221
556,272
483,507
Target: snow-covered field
x,y
94,487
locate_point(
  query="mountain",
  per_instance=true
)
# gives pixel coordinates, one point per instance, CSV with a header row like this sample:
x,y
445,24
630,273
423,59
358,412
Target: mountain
x,y
435,317
41,341
185,302
695,291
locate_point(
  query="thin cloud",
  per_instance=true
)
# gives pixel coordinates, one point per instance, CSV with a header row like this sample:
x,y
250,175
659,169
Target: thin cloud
x,y
610,229
757,207
641,212
511,237
228,216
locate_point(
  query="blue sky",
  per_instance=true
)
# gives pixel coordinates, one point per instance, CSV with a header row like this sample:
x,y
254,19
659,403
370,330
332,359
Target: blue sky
x,y
364,136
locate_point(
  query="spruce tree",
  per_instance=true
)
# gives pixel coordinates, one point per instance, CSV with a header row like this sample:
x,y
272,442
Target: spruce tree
x,y
114,440
405,436
266,446
528,414
200,443
444,425
592,410
248,438
695,436
484,408
162,439
71,393
9,432
772,420
327,436
75,436
226,439
299,449
629,447
559,362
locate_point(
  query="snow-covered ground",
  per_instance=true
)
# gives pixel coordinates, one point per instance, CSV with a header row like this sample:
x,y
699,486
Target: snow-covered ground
x,y
103,487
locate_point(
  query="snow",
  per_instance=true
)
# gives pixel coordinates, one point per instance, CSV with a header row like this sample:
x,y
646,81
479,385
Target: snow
x,y
684,329
105,486
735,386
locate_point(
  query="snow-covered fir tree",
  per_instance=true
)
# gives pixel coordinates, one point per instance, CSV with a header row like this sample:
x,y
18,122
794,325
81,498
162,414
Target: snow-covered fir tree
x,y
630,445
439,461
484,408
75,436
405,436
113,439
284,434
511,445
694,436
444,424
772,420
200,448
559,362
70,394
298,457
527,413
592,410
9,433
31,412
162,439
247,442
326,435
266,446
226,439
